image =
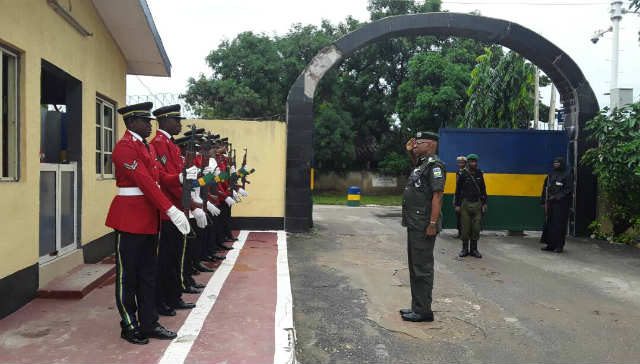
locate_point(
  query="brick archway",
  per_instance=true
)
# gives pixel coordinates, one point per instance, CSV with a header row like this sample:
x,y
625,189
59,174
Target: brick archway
x,y
576,96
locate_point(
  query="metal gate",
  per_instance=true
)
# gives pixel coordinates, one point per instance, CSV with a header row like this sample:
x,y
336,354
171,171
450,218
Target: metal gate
x,y
58,210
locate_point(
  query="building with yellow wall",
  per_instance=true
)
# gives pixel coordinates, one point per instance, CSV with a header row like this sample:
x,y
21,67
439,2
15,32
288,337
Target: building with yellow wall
x,y
63,75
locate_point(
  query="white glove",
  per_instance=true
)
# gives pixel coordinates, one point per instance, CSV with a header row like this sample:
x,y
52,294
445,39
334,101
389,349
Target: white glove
x,y
213,209
195,195
232,170
230,202
243,192
179,220
191,174
213,163
236,196
201,218
208,169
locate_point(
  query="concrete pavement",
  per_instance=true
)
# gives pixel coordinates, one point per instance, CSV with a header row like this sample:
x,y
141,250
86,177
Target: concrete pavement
x,y
517,304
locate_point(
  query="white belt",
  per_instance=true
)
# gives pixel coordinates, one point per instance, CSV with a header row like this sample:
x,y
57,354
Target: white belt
x,y
130,191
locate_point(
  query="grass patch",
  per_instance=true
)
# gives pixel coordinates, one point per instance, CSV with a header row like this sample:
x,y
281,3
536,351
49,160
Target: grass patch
x,y
328,198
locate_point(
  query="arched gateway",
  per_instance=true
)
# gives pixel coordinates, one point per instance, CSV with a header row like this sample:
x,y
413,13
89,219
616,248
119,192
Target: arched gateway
x,y
576,96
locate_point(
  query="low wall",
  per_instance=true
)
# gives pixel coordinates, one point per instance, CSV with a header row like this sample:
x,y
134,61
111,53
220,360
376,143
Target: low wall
x,y
267,145
369,182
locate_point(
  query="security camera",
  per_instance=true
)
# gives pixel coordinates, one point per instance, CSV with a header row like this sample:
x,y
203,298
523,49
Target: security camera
x,y
595,39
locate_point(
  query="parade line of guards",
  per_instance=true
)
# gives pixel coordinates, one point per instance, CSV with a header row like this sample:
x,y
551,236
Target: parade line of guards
x,y
172,212
422,207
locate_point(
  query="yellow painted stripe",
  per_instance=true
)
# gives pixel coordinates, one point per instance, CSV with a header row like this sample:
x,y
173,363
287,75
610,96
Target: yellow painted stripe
x,y
503,184
353,197
184,252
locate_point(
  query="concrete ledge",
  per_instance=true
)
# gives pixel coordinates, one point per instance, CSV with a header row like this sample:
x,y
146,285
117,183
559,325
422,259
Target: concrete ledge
x,y
258,223
78,282
59,266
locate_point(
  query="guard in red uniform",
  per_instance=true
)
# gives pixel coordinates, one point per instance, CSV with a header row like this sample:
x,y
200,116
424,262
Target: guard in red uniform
x,y
168,284
135,215
225,201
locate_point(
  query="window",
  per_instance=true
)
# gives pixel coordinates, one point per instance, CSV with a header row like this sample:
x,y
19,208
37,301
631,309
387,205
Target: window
x,y
105,137
8,115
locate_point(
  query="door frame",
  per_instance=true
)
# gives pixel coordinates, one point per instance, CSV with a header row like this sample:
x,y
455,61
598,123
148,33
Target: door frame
x,y
58,169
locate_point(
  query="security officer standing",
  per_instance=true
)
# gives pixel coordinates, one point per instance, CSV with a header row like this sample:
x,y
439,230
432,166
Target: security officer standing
x,y
135,215
471,203
556,197
168,287
461,162
421,215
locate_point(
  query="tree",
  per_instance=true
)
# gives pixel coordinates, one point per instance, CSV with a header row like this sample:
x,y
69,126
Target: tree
x,y
333,141
634,5
615,159
501,91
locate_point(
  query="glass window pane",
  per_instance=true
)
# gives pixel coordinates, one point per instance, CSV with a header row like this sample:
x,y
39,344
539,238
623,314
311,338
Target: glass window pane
x,y
98,164
47,229
108,116
98,142
108,165
108,141
67,198
98,113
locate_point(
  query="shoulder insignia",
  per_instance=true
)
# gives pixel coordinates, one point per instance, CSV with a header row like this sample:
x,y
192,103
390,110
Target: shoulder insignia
x,y
437,172
131,166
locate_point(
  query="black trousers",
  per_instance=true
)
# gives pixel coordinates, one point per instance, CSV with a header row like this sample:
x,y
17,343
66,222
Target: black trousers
x,y
136,264
557,222
210,247
225,216
219,224
168,287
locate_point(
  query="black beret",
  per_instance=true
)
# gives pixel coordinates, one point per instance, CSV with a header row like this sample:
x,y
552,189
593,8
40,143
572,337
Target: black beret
x,y
427,135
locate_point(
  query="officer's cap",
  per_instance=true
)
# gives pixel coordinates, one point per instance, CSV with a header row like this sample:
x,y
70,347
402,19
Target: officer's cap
x,y
461,159
427,135
142,110
473,157
170,111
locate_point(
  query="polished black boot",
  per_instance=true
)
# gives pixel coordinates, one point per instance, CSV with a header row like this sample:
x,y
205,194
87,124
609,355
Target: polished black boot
x,y
465,249
474,249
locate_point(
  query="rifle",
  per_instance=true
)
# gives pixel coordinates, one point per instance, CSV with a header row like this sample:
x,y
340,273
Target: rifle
x,y
243,170
189,154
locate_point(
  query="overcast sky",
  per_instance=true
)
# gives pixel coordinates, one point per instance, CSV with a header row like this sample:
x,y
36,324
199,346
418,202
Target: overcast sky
x,y
193,28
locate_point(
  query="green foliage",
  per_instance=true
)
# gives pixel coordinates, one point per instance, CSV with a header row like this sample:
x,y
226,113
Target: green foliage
x,y
333,138
501,91
634,5
394,164
615,159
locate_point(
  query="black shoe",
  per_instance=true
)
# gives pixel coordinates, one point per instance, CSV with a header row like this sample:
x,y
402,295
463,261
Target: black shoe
x,y
547,249
200,267
463,253
165,310
558,250
192,290
230,239
224,247
476,254
195,272
218,257
182,305
134,336
160,332
199,285
405,311
209,258
418,317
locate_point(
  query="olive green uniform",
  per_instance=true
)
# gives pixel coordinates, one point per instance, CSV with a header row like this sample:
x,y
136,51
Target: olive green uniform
x,y
428,177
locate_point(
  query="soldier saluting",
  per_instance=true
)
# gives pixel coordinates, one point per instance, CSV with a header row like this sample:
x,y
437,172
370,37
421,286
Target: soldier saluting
x,y
421,215
135,215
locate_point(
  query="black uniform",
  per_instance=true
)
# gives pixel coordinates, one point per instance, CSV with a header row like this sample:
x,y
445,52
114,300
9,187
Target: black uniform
x,y
557,195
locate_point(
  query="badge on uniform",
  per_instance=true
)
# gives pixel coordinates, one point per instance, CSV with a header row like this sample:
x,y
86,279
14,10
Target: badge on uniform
x,y
131,166
163,159
437,172
415,178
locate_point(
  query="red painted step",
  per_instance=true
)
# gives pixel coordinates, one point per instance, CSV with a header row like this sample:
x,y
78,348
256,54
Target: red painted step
x,y
78,282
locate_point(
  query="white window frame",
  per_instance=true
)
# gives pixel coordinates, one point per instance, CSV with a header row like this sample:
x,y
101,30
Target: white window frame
x,y
101,124
14,163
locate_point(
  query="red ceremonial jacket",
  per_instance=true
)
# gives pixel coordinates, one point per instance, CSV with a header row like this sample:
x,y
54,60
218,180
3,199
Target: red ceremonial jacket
x,y
223,187
171,162
136,166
